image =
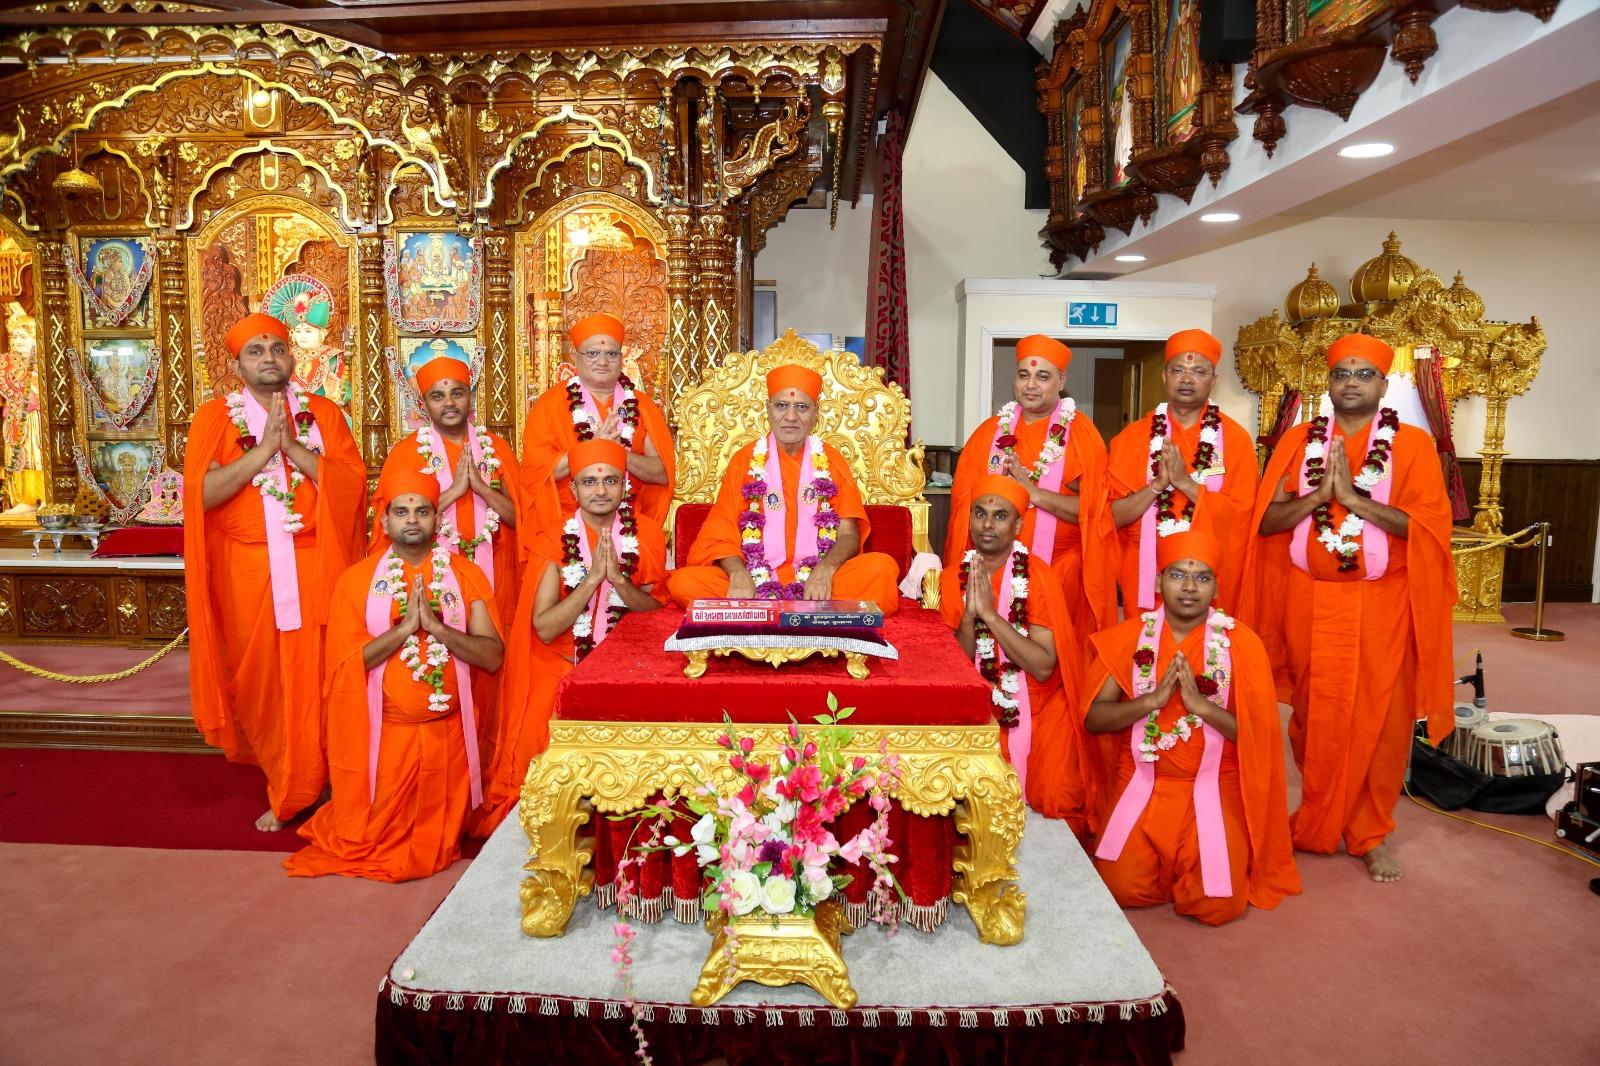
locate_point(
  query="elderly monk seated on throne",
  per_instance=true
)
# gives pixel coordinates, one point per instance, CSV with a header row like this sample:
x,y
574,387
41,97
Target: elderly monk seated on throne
x,y
789,521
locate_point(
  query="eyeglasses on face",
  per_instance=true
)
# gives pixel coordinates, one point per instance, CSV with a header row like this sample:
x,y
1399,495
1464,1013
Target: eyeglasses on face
x,y
601,355
610,481
783,407
1198,373
1365,374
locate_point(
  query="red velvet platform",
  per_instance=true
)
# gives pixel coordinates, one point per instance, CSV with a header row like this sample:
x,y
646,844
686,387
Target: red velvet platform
x,y
141,540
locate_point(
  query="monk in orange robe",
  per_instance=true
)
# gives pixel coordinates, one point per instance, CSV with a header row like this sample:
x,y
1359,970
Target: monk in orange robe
x,y
599,403
413,646
1186,465
1040,439
582,577
1182,700
1009,615
273,492
1353,588
789,521
480,493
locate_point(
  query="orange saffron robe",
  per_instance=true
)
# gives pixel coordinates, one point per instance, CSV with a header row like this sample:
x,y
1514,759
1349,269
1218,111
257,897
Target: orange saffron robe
x,y
533,671
1086,553
1360,660
257,692
507,558
1057,760
1160,861
1224,514
867,576
548,435
412,826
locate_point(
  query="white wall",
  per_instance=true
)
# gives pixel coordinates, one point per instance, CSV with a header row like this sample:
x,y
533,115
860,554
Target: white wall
x,y
964,217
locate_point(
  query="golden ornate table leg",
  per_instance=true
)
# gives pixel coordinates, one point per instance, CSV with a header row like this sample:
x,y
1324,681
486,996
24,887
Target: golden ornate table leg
x,y
856,663
990,817
774,952
696,664
552,810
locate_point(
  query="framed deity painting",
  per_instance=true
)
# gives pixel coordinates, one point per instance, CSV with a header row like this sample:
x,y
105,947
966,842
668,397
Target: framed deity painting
x,y
1117,118
121,468
119,387
1179,64
433,280
113,279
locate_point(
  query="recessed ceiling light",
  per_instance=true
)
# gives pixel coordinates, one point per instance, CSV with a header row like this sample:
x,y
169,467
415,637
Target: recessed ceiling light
x,y
1374,150
1220,216
1130,258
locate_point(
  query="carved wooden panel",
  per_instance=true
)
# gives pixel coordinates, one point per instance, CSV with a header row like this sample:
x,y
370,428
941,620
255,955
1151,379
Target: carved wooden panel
x,y
634,282
65,605
166,608
106,606
8,608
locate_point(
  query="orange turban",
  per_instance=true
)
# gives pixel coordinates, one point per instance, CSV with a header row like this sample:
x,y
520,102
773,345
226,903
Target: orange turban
x,y
1008,489
1197,341
1052,351
586,453
1361,346
434,371
791,376
594,325
1190,545
250,327
399,481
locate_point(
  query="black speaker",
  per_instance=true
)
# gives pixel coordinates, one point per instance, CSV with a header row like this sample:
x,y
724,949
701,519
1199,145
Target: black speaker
x,y
1227,30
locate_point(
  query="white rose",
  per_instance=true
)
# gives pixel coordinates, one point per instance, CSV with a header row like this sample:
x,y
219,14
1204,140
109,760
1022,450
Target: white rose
x,y
777,895
745,888
819,883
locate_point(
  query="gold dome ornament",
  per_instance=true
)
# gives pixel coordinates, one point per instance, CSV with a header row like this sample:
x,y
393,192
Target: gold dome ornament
x,y
1384,278
1312,298
1466,304
76,182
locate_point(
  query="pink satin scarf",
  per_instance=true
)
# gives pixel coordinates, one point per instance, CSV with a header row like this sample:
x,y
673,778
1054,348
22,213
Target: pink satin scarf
x,y
283,573
453,612
1148,532
602,596
483,555
1044,523
1216,873
774,544
1020,742
1374,541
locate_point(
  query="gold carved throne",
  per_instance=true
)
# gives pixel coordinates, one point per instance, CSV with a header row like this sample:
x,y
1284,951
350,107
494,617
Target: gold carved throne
x,y
863,416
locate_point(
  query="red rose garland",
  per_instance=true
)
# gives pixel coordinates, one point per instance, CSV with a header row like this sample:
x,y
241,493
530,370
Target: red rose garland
x,y
1004,679
573,573
1205,457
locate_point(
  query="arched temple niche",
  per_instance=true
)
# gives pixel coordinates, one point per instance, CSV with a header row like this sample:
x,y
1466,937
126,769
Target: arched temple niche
x,y
22,417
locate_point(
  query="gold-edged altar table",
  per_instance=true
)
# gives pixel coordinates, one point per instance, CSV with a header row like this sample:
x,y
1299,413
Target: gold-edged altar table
x,y
629,726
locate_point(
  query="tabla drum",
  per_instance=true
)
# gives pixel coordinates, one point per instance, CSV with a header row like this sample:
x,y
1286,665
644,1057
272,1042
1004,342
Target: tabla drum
x,y
1468,718
1515,747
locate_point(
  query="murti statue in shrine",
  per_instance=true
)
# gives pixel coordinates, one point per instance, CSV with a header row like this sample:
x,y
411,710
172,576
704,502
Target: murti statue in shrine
x,y
305,305
22,429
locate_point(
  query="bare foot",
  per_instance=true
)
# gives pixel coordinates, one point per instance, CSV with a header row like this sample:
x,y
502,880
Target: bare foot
x,y
1382,865
269,823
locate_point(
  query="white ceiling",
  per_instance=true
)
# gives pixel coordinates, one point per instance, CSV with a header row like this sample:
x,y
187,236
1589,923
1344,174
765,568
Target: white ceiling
x,y
1541,166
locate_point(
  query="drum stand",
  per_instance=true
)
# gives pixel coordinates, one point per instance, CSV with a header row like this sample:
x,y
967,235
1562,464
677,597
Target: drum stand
x,y
1538,631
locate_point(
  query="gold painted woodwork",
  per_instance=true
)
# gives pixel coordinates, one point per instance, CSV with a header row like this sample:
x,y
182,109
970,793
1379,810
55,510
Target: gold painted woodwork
x,y
777,950
855,662
616,767
860,414
1409,307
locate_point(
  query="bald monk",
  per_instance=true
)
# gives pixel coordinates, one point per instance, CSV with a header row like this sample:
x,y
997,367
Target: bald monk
x,y
1352,593
1183,703
273,494
600,402
1185,465
1020,636
1039,440
480,495
582,577
413,646
803,522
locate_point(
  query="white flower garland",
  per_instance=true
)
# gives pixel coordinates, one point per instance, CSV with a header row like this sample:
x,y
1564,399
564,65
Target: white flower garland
x,y
1054,440
1343,542
279,478
751,534
1006,679
427,666
433,464
1156,739
1210,434
573,572
583,419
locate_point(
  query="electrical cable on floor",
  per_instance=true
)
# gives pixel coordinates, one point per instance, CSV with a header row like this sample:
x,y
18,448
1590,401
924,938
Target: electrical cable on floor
x,y
1573,852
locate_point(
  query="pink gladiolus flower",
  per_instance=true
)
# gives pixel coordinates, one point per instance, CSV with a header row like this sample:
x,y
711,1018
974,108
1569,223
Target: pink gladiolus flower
x,y
858,763
794,731
758,771
789,755
747,744
811,749
725,740
736,762
850,852
747,794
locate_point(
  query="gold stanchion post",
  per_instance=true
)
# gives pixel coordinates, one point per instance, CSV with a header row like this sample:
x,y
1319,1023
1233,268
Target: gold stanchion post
x,y
1538,631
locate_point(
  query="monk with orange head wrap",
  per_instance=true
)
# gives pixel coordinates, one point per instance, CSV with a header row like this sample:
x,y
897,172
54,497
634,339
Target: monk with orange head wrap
x,y
1186,465
1008,613
1351,588
480,484
1182,705
789,521
413,646
600,402
583,576
1057,455
273,493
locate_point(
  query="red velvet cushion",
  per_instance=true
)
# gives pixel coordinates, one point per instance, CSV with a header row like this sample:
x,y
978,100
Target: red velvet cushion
x,y
141,540
891,532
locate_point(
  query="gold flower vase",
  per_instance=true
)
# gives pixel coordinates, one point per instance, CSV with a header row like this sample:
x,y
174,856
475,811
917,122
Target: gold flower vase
x,y
783,950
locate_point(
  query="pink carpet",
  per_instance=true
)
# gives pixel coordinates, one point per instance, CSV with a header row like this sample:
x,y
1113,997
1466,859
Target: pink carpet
x,y
160,689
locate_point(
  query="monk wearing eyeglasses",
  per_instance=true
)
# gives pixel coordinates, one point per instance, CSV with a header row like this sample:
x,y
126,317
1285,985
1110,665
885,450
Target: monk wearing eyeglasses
x,y
1352,586
1183,466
